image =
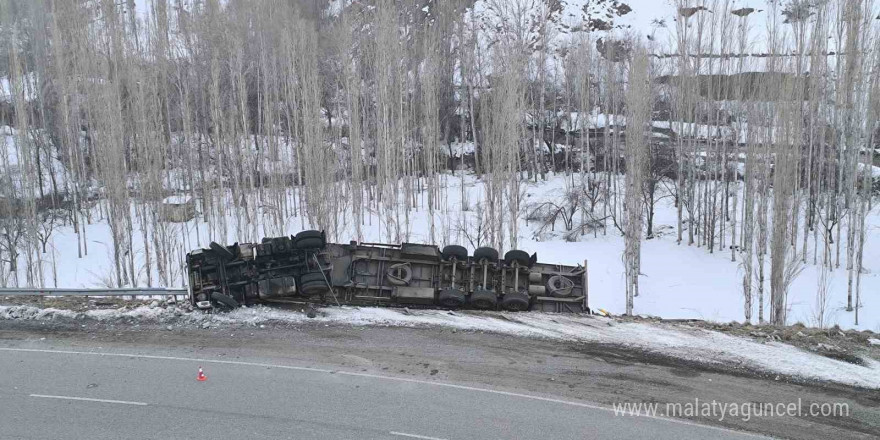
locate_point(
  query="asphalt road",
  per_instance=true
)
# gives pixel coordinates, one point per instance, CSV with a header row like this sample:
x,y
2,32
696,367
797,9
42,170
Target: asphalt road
x,y
52,394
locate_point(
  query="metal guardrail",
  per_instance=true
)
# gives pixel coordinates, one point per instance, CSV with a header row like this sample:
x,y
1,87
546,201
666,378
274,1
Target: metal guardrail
x,y
146,291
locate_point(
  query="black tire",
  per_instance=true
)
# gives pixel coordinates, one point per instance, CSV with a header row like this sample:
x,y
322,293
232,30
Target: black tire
x,y
314,288
312,283
225,300
456,251
399,274
515,302
310,243
487,253
312,277
560,286
451,297
310,240
483,299
520,257
310,234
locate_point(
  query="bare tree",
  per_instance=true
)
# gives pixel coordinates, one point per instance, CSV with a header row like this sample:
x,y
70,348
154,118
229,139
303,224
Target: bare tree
x,y
638,106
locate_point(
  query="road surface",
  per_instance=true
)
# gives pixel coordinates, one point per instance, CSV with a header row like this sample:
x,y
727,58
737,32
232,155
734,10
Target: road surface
x,y
54,394
318,382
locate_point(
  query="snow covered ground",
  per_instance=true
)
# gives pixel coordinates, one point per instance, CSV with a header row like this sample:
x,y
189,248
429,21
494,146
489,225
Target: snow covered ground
x,y
675,340
51,168
679,281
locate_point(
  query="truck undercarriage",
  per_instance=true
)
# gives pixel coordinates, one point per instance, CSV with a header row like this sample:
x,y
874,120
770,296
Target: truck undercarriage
x,y
306,268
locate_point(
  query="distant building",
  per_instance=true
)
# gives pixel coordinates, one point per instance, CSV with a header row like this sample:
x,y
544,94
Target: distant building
x,y
177,209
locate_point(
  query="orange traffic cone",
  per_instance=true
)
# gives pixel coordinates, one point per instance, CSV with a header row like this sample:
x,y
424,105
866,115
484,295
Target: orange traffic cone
x,y
201,377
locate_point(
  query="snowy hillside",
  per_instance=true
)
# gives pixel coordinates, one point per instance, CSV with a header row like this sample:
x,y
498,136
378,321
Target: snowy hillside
x,y
678,281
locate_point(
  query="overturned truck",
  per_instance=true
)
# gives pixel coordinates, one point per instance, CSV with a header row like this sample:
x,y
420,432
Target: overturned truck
x,y
306,268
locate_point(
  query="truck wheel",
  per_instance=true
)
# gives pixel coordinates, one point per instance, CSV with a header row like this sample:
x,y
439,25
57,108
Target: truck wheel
x,y
310,243
484,299
518,256
312,277
451,297
515,302
310,240
454,250
312,283
224,300
399,274
309,234
559,286
487,253
313,288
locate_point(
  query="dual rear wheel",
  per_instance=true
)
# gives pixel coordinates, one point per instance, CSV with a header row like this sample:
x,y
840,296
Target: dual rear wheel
x,y
313,283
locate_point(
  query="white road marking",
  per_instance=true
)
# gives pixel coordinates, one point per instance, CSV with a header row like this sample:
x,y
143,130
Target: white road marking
x,y
86,399
399,379
423,437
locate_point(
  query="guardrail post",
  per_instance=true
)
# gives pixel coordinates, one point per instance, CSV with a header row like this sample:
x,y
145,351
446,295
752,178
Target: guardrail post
x,y
586,288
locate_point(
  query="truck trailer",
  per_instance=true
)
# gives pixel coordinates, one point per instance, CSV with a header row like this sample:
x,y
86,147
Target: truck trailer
x,y
304,267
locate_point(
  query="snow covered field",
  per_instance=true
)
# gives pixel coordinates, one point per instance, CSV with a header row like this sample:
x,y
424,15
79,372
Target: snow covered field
x,y
678,281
